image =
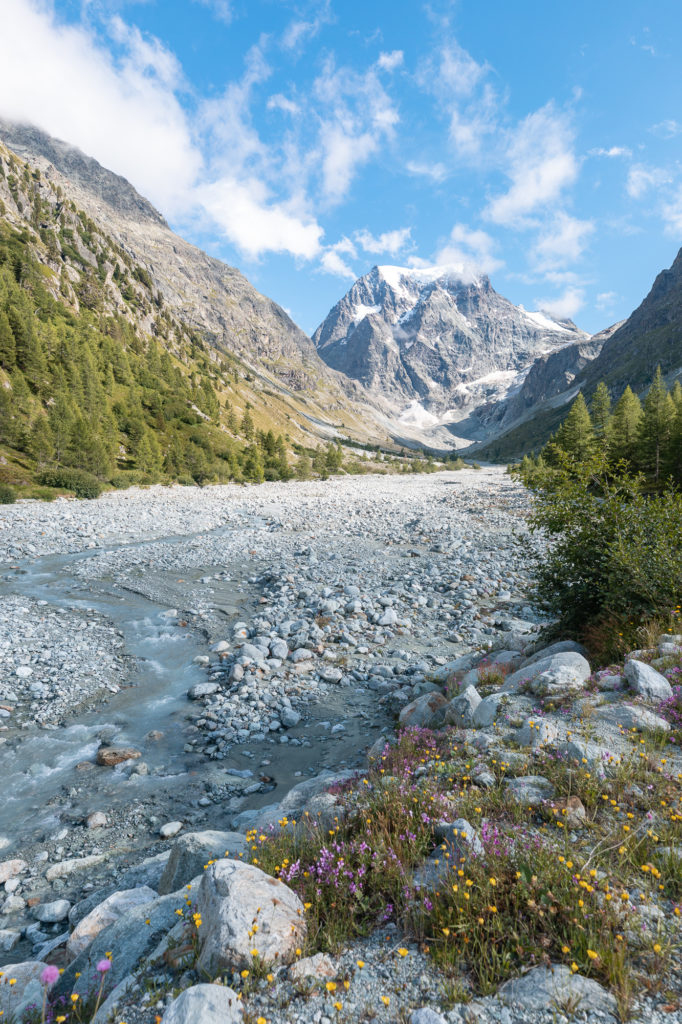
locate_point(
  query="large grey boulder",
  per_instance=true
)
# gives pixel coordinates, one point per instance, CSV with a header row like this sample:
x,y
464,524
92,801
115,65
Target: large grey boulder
x,y
51,913
557,683
560,647
646,681
232,898
459,834
536,732
129,939
205,1004
299,796
486,712
26,991
547,988
147,872
530,789
560,667
104,914
460,710
427,711
427,1016
592,755
191,853
631,716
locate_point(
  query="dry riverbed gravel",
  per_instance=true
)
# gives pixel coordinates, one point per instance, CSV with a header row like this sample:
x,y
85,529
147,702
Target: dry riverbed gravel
x,y
319,612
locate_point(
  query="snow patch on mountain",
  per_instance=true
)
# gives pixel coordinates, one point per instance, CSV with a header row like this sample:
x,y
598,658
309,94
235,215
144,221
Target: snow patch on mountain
x,y
542,320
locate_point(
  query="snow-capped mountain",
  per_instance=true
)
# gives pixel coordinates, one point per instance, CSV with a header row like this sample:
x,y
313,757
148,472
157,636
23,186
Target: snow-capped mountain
x,y
433,344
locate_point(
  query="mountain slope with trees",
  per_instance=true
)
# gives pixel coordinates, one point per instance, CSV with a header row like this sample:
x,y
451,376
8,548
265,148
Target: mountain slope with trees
x,y
100,381
650,337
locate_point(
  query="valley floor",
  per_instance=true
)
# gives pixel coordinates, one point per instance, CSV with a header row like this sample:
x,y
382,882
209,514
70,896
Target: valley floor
x,y
300,619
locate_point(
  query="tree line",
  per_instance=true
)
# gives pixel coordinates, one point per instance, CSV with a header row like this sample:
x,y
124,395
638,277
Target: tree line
x,y
630,436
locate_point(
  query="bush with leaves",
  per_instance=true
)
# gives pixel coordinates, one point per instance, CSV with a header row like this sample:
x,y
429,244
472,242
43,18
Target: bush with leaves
x,y
614,549
83,485
7,495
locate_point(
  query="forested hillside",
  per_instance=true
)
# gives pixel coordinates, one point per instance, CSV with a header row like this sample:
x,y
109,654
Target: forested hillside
x,y
98,376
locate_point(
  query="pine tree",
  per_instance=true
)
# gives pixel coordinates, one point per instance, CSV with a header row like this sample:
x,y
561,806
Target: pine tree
x,y
41,442
624,427
655,428
676,395
60,419
320,463
575,436
600,414
247,426
252,465
304,467
334,457
8,350
673,459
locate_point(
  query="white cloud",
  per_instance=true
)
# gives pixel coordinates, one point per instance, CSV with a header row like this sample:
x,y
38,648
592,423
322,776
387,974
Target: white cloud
x,y
332,260
287,106
606,300
459,72
473,249
672,215
221,8
436,172
131,114
301,30
540,165
391,242
360,116
566,305
256,223
667,129
612,152
390,61
464,96
562,241
134,124
641,179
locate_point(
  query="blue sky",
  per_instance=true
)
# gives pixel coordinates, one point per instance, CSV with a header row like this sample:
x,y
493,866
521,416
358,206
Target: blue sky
x,y
306,140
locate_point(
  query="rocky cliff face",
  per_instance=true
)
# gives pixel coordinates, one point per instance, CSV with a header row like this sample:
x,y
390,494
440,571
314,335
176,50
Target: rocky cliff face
x,y
550,378
651,335
432,339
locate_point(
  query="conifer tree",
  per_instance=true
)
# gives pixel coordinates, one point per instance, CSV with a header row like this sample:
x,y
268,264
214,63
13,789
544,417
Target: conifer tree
x,y
252,465
673,460
655,428
304,467
624,427
41,442
600,414
8,350
247,426
320,463
575,436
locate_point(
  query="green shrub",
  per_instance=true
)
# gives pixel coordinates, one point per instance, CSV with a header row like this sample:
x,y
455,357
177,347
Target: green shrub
x,y
614,550
7,495
83,485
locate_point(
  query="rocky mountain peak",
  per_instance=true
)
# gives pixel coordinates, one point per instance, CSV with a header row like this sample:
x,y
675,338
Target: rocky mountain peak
x,y
436,340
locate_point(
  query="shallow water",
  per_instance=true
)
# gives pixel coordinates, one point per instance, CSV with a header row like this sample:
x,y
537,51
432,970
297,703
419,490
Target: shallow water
x,y
38,764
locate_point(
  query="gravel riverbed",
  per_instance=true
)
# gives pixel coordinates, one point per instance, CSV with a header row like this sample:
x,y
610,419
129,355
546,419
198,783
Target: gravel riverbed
x,y
314,611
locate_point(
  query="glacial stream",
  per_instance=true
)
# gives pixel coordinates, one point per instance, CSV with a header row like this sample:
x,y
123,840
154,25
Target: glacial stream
x,y
40,763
